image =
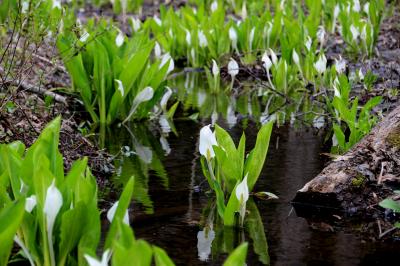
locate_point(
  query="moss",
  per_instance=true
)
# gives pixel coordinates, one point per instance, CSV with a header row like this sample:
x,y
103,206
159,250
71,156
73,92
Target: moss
x,y
394,137
358,181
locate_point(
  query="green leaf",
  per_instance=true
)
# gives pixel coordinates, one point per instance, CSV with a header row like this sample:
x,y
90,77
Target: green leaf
x,y
390,204
256,159
10,220
123,205
238,256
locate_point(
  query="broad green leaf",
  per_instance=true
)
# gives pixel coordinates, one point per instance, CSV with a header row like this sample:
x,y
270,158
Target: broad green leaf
x,y
10,220
256,159
238,256
390,204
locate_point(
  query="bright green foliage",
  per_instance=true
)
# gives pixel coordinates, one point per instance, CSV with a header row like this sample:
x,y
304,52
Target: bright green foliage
x,y
348,116
392,205
231,166
10,217
115,76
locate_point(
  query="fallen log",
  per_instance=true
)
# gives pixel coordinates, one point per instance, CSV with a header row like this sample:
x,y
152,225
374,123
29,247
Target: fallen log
x,y
361,177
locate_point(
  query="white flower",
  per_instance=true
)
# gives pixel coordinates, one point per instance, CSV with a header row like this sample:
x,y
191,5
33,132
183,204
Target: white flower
x,y
85,35
165,145
214,6
356,6
57,4
354,32
295,57
364,33
242,194
145,95
135,24
360,74
321,34
273,56
24,7
366,8
267,63
233,68
242,191
165,59
157,20
30,203
336,91
202,39
340,65
120,87
119,40
308,43
157,50
207,140
251,38
244,10
204,243
165,98
215,68
111,214
320,65
233,37
188,37
104,259
52,206
336,11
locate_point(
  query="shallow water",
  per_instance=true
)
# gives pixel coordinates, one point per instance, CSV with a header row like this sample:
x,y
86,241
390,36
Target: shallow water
x,y
170,214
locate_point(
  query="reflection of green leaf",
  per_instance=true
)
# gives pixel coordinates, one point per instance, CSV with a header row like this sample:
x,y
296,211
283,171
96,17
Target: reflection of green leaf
x,y
255,229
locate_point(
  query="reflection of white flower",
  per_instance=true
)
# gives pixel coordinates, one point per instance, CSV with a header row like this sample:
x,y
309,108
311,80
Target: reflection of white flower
x,y
204,243
318,122
207,140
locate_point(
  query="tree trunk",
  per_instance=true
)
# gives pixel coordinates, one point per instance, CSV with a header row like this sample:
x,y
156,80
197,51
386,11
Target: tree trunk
x,y
361,177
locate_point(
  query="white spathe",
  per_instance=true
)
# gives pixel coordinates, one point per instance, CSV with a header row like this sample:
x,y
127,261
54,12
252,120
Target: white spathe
x,y
119,40
273,56
340,65
320,65
267,63
233,37
202,39
30,203
157,50
165,98
207,140
120,87
204,243
233,68
111,214
242,191
214,6
52,205
215,68
104,259
295,57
